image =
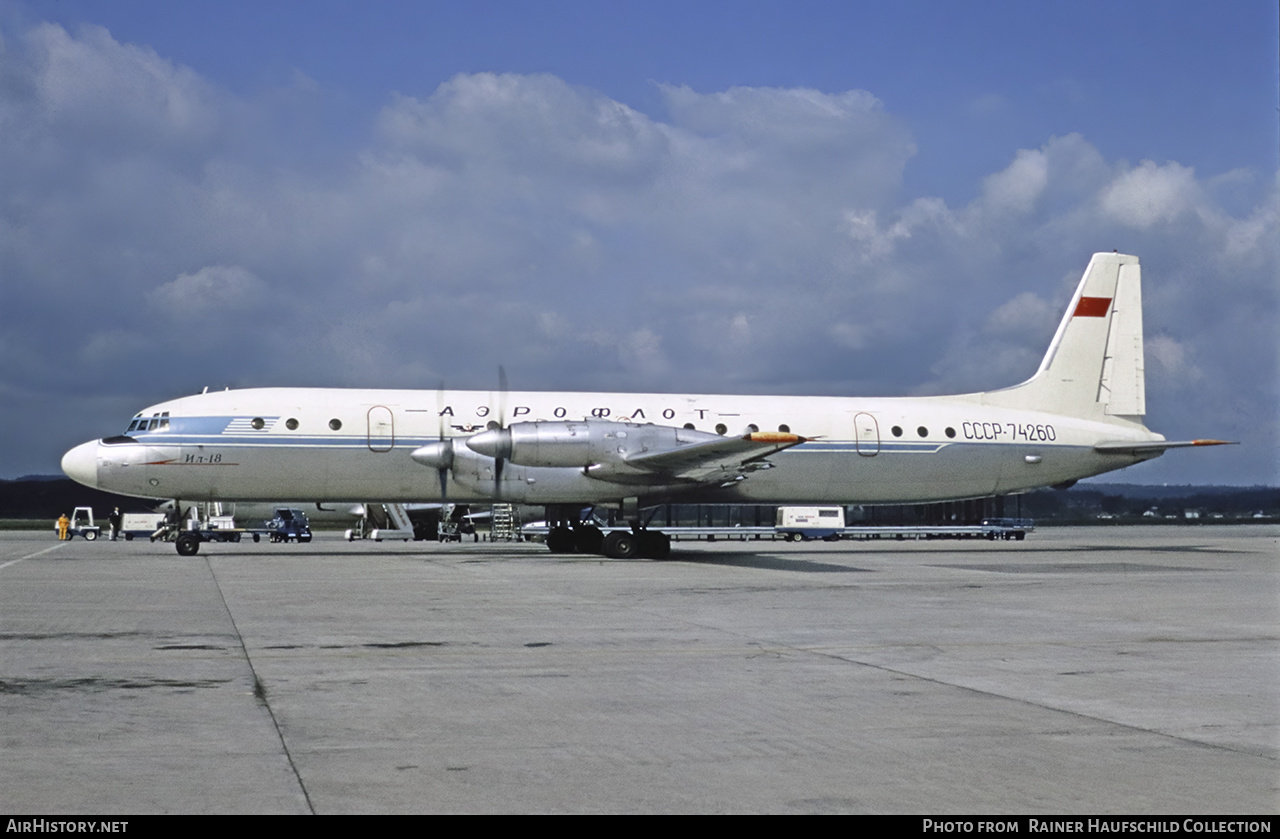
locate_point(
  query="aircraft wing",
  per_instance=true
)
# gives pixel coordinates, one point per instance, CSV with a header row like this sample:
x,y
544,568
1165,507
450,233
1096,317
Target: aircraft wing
x,y
1132,447
727,458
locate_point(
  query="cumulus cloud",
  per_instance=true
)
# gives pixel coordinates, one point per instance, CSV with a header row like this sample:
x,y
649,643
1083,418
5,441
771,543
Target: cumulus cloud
x,y
212,288
563,131
842,145
751,239
66,92
1026,316
1020,185
1151,194
1169,359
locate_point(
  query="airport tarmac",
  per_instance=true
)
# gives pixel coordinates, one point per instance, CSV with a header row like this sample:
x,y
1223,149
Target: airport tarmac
x,y
1090,670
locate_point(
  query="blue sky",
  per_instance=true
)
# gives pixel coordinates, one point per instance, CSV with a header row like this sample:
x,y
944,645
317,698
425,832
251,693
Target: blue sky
x,y
611,196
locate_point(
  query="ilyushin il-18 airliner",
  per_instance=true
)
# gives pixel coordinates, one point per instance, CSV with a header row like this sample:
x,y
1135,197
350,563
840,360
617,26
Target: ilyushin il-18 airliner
x,y
1081,414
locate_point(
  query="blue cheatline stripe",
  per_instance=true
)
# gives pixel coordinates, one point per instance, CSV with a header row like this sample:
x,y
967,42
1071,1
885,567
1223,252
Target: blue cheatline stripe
x,y
259,443
244,425
214,425
884,446
256,440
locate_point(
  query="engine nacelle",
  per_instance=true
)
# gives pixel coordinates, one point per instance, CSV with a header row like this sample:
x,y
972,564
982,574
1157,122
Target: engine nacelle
x,y
475,474
581,443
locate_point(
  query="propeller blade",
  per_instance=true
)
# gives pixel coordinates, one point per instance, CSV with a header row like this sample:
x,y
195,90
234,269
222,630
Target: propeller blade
x,y
500,460
502,396
446,461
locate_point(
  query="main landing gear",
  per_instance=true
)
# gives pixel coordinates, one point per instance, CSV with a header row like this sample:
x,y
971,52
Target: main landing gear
x,y
617,544
575,528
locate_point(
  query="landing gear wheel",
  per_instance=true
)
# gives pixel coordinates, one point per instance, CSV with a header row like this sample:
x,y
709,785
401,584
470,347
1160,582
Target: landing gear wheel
x,y
621,545
560,540
188,544
588,540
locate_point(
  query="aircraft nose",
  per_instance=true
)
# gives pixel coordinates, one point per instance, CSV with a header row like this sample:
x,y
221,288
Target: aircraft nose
x,y
81,464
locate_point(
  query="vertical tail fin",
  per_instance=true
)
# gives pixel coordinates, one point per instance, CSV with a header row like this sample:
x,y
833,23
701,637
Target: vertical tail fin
x,y
1094,366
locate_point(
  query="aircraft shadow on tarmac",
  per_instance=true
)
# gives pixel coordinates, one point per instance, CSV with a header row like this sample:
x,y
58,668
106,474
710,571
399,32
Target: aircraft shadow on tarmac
x,y
771,562
1019,558
767,562
1075,568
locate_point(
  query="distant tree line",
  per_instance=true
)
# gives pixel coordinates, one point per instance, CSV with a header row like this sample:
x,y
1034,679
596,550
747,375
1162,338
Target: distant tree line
x,y
48,498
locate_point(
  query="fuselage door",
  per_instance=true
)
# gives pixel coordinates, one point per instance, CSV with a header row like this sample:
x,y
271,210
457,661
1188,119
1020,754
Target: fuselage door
x,y
382,429
866,432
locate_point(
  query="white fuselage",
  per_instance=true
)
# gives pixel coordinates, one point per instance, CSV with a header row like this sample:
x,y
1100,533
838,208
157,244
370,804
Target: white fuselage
x,y
353,445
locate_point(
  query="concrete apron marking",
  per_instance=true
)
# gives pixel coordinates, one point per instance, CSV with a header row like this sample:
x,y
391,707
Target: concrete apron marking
x,y
31,556
259,690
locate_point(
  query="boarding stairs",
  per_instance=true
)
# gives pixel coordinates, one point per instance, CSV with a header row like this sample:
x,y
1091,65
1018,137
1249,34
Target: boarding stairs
x,y
504,524
383,521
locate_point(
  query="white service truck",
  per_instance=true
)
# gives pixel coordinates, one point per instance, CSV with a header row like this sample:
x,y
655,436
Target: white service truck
x,y
141,525
797,523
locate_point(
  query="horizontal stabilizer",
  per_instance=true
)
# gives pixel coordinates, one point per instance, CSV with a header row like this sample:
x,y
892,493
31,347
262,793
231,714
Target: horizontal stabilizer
x,y
1131,447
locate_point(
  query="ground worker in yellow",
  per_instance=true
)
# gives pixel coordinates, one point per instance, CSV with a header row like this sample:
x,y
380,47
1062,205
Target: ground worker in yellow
x,y
63,524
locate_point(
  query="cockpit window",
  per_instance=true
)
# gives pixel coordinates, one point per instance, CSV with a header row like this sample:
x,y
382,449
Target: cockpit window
x,y
156,422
